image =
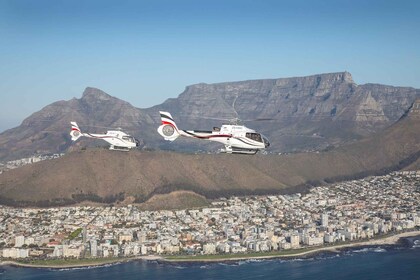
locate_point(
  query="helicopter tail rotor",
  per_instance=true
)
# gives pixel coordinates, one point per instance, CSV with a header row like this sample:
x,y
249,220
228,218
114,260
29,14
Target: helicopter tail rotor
x,y
168,129
75,132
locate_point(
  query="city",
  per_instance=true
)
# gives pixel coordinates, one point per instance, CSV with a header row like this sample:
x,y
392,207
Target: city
x,y
347,211
5,166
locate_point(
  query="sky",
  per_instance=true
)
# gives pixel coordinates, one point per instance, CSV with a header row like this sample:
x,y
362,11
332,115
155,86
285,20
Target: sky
x,y
147,51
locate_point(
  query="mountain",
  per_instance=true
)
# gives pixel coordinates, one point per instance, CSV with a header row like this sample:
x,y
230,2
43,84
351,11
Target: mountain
x,y
47,131
100,175
307,113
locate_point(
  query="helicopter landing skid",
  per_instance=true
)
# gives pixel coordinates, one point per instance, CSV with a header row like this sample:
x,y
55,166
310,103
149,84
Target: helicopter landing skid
x,y
230,150
121,149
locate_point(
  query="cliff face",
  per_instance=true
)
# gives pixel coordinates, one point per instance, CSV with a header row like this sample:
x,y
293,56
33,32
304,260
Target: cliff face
x,y
307,113
327,96
414,110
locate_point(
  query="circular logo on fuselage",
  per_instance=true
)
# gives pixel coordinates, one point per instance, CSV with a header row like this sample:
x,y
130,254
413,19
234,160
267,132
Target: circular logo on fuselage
x,y
168,130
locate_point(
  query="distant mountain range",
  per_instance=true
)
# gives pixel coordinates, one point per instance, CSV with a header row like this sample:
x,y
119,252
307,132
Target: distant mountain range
x,y
308,113
104,176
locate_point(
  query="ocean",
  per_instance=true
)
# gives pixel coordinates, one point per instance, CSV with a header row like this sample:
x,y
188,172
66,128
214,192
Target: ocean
x,y
390,262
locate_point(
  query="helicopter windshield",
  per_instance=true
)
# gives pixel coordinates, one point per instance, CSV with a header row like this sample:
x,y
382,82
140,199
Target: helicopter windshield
x,y
128,139
254,136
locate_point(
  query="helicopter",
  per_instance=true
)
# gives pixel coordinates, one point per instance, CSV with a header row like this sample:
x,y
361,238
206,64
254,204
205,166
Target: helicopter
x,y
238,139
118,140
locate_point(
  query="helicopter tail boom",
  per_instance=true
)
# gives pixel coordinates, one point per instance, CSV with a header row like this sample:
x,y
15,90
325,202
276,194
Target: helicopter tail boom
x,y
75,132
168,129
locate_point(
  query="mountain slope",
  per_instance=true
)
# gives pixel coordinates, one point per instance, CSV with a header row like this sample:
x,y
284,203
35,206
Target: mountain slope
x,y
106,176
47,131
308,113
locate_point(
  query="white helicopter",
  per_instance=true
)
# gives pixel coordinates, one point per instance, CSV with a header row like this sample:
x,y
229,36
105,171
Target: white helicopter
x,y
118,140
238,139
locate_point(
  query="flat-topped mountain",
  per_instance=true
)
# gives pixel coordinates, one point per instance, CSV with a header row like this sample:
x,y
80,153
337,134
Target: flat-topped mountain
x,y
307,113
100,175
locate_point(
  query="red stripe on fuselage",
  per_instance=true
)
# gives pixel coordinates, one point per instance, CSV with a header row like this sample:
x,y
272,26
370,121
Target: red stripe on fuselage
x,y
165,122
209,136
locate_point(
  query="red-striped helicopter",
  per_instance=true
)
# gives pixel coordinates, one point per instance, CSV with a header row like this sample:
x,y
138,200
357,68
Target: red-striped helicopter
x,y
118,140
238,139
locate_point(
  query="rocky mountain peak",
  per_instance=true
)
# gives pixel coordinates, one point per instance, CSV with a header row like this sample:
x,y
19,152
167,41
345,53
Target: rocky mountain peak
x,y
347,77
92,93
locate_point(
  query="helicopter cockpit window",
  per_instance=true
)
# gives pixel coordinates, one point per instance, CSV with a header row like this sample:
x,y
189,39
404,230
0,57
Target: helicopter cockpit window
x,y
254,136
128,138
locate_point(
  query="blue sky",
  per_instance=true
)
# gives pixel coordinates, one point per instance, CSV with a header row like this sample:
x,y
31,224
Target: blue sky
x,y
147,51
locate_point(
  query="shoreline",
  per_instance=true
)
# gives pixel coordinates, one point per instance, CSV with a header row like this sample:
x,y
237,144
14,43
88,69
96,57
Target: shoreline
x,y
389,240
83,263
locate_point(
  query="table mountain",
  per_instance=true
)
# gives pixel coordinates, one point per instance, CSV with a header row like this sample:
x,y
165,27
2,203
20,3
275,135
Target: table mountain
x,y
307,113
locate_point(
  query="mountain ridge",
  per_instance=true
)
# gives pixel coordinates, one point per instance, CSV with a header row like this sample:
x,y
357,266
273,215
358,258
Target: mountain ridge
x,y
100,175
315,112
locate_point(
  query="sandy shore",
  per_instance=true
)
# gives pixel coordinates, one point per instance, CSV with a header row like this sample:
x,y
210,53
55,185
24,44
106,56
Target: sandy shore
x,y
390,240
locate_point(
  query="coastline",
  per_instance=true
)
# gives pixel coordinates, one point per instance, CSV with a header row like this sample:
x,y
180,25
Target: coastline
x,y
388,240
81,263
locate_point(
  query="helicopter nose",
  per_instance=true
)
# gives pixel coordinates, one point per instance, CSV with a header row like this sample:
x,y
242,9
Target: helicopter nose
x,y
266,142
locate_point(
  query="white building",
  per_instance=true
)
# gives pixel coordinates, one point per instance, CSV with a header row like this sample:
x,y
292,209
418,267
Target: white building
x,y
329,238
19,241
29,241
143,250
72,251
58,251
294,241
209,249
313,240
93,248
9,253
15,253
324,220
22,253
